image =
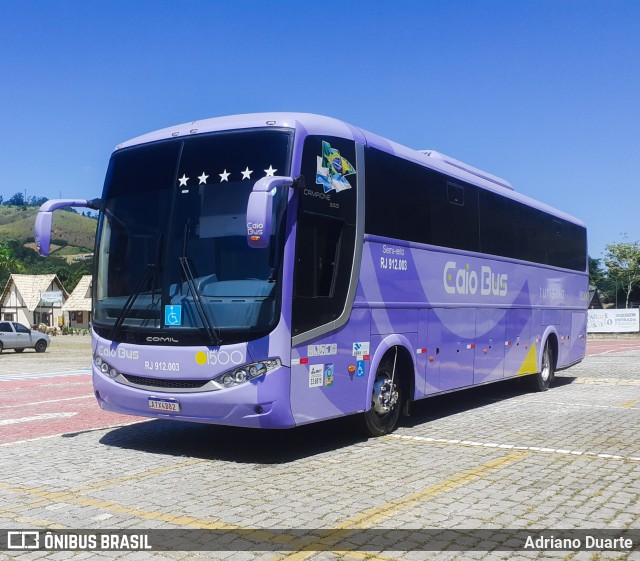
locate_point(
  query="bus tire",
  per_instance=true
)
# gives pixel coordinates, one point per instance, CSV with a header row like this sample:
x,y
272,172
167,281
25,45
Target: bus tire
x,y
386,402
540,382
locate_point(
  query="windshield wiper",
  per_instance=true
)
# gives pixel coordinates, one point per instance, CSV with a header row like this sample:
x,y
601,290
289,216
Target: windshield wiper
x,y
148,276
213,333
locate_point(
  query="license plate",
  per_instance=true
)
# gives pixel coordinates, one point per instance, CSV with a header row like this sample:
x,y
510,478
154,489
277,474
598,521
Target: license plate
x,y
159,404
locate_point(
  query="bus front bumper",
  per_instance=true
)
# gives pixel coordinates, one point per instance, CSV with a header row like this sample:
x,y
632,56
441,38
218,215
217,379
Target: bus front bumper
x,y
261,403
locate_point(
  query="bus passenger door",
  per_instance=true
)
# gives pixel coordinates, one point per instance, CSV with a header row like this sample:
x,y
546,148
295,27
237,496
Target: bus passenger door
x,y
489,357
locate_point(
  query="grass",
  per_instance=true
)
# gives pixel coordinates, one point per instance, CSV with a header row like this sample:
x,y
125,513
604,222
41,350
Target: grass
x,y
17,223
73,250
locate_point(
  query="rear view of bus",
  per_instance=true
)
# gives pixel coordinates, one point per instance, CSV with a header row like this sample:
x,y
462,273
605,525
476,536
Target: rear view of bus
x,y
258,271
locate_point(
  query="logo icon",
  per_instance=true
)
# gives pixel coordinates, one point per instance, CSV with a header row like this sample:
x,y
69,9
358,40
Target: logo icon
x,y
23,540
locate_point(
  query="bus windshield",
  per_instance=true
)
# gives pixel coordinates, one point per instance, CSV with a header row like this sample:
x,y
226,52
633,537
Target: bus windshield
x,y
172,255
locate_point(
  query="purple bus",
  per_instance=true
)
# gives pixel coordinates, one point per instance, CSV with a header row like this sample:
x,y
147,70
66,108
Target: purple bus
x,y
273,270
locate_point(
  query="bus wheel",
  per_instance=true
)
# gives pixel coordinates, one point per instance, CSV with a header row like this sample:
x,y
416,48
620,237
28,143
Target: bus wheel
x,y
540,382
386,402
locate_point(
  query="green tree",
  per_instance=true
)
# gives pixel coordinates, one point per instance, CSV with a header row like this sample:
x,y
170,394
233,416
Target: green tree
x,y
623,262
37,201
598,278
597,275
17,200
8,263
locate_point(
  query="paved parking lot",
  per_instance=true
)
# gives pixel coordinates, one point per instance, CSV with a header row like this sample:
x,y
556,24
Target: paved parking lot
x,y
487,458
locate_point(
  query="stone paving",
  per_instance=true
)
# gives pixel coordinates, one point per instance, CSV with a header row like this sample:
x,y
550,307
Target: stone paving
x,y
495,457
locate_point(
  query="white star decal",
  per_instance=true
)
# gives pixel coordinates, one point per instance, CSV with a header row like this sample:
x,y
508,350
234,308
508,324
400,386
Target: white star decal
x,y
246,174
183,180
203,178
270,172
224,176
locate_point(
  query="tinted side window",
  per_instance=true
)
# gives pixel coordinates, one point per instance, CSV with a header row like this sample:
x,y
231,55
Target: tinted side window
x,y
21,328
454,215
511,229
5,327
397,197
409,202
567,245
557,244
578,244
455,194
534,227
498,225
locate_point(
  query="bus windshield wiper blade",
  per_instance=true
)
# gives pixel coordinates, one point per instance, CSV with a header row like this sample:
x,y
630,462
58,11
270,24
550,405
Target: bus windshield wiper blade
x,y
149,274
213,333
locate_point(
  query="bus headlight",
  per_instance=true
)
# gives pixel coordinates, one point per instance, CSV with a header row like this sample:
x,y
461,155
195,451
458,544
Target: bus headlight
x,y
105,367
247,372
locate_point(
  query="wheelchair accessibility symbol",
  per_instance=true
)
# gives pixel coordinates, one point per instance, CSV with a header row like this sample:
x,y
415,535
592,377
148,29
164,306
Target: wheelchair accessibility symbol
x,y
173,315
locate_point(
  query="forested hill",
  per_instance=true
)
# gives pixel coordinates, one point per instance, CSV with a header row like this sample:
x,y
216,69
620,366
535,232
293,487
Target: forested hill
x,y
71,230
72,240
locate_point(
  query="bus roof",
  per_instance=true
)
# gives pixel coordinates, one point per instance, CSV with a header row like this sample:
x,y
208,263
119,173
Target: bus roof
x,y
329,126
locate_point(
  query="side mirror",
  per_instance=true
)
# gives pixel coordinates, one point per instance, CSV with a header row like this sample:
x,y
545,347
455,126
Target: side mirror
x,y
44,219
260,207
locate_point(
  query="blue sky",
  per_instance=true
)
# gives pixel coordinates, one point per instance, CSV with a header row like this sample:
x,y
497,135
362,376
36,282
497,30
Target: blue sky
x,y
543,93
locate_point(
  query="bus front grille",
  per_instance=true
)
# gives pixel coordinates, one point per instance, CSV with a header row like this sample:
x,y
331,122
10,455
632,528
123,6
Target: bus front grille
x,y
164,383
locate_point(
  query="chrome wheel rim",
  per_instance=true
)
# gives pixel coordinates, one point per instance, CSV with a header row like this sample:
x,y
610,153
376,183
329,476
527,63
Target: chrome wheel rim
x,y
385,395
546,365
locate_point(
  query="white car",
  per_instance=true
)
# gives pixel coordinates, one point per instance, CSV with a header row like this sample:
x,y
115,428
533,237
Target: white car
x,y
16,336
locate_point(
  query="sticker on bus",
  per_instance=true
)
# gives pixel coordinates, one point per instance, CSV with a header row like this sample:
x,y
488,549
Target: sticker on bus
x,y
316,375
173,315
360,349
328,375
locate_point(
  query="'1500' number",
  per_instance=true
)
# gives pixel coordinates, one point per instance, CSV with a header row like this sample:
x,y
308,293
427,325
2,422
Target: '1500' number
x,y
161,365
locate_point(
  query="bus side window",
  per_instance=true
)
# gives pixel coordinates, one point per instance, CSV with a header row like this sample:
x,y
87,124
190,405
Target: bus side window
x,y
317,255
498,225
454,215
400,190
534,227
455,193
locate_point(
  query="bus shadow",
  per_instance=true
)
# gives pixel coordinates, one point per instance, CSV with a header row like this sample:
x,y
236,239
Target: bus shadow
x,y
234,444
262,446
460,401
